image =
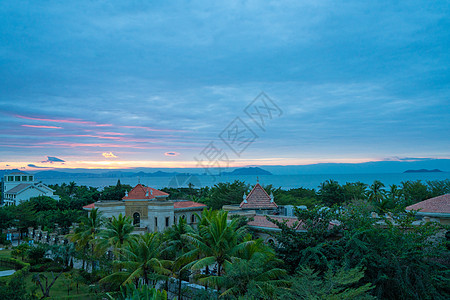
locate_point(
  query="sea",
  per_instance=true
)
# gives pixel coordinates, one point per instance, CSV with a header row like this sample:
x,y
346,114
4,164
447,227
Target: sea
x,y
278,181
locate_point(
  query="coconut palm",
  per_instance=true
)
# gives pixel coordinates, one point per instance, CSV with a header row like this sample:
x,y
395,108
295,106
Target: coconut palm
x,y
116,234
141,259
175,247
376,191
86,233
217,241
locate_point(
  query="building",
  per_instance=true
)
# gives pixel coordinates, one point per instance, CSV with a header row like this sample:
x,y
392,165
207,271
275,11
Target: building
x,y
149,209
21,186
257,206
435,209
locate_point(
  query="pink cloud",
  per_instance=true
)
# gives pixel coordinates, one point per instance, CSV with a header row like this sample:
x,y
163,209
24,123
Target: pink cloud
x,y
151,129
171,153
72,121
42,126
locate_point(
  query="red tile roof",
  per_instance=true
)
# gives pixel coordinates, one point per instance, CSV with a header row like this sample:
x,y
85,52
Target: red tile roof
x,y
440,204
187,204
261,221
89,206
258,199
143,192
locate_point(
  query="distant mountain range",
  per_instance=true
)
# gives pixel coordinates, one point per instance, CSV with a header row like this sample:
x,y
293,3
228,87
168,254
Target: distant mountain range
x,y
423,171
400,165
51,174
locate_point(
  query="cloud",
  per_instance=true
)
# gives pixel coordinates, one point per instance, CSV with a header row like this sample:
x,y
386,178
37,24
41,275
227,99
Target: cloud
x,y
52,159
37,167
109,155
43,126
171,154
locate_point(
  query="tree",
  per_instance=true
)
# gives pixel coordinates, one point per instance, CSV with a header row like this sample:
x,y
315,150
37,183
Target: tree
x,y
116,234
225,193
376,192
216,241
176,246
334,284
86,233
45,285
331,193
140,260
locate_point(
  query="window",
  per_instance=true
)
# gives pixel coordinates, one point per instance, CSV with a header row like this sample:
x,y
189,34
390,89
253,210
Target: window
x,y
193,218
17,178
10,178
167,221
183,217
156,223
136,219
30,178
24,178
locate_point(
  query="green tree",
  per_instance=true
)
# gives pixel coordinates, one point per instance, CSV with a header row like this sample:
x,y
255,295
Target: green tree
x,y
85,234
117,233
216,241
225,193
331,193
376,192
141,259
333,285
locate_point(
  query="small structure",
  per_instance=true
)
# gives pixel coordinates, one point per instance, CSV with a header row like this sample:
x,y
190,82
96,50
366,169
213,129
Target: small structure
x,y
149,209
21,186
435,209
257,206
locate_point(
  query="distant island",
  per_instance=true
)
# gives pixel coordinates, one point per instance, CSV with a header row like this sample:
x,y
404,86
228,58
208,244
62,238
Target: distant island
x,y
423,171
248,171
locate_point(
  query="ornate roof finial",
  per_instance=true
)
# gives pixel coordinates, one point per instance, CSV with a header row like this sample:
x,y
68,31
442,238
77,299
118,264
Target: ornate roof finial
x,y
257,179
126,193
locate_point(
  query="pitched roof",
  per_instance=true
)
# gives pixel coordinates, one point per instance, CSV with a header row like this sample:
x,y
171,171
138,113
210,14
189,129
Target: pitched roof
x,y
187,204
17,173
143,192
258,199
89,206
261,221
18,188
440,204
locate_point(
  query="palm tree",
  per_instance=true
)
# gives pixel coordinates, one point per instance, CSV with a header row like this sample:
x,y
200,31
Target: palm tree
x,y
141,259
216,242
86,233
117,233
376,191
176,246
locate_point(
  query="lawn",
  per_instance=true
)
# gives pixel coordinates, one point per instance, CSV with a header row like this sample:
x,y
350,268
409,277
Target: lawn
x,y
58,290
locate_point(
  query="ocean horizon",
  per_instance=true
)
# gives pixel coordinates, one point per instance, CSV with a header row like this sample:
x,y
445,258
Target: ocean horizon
x,y
283,181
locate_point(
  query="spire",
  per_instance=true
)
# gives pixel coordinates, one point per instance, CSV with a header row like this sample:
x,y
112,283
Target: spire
x,y
257,179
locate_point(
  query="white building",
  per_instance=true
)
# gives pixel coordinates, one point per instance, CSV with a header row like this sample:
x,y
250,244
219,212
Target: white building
x,y
21,186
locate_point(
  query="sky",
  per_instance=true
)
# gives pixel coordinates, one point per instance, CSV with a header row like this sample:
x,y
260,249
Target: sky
x,y
124,84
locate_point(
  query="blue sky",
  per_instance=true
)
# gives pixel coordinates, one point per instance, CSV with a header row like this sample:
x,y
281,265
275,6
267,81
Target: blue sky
x,y
108,84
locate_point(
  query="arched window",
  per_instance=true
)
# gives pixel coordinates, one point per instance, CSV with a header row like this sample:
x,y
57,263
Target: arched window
x,y
271,242
192,218
183,217
136,219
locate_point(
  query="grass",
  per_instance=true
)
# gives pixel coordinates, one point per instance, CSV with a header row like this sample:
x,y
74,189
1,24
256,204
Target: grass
x,y
58,290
